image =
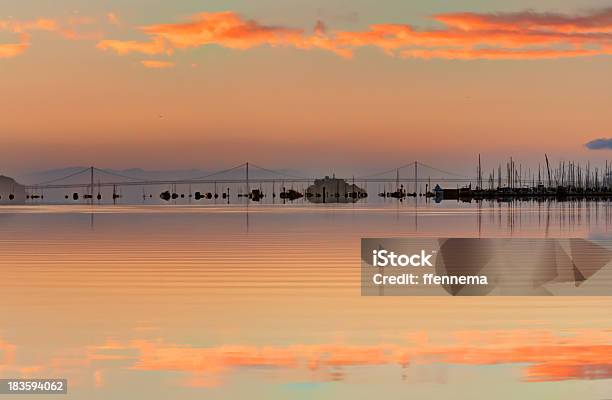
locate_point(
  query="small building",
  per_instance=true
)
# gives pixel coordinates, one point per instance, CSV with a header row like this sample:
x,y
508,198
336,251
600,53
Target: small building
x,y
334,190
11,192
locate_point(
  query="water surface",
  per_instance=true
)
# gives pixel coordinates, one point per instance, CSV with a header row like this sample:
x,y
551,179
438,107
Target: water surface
x,y
231,302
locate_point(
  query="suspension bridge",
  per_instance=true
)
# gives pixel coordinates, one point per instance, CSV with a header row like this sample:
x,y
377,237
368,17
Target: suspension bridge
x,y
245,173
87,181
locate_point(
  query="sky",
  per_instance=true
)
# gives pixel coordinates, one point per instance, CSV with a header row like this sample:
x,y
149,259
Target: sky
x,y
307,85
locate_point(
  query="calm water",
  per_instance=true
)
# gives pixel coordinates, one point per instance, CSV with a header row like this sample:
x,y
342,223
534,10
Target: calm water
x,y
160,302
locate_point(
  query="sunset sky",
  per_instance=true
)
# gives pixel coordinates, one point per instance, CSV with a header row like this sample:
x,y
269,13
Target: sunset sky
x,y
311,85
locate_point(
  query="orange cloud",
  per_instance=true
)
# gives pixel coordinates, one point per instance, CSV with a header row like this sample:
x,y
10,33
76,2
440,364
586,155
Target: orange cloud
x,y
21,28
157,64
464,36
11,50
40,24
156,46
67,30
224,29
72,34
598,22
493,36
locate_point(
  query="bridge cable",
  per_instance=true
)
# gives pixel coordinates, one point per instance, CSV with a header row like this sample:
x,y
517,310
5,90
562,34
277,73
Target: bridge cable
x,y
442,171
62,178
216,173
387,171
117,174
278,172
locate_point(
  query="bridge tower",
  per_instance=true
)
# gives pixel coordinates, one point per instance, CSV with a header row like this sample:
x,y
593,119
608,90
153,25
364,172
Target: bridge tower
x,y
91,169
